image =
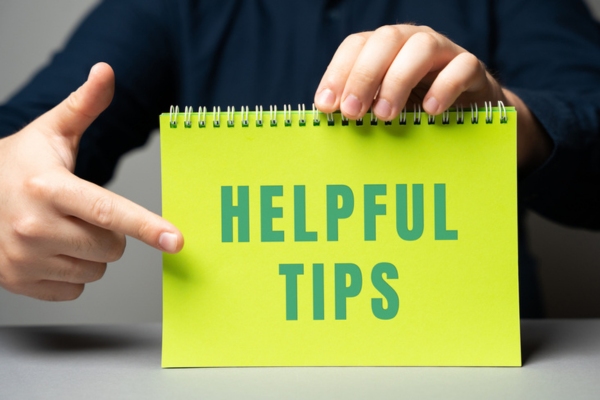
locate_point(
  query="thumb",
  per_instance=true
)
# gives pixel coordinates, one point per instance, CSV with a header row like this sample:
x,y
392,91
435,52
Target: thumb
x,y
76,113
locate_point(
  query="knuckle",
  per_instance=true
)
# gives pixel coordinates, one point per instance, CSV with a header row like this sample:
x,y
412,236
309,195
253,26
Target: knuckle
x,y
72,292
335,77
82,244
96,273
389,33
12,282
116,249
453,86
50,297
40,187
74,104
427,28
426,39
356,39
64,273
16,261
103,211
75,292
471,62
70,271
363,75
398,81
26,227
13,279
146,230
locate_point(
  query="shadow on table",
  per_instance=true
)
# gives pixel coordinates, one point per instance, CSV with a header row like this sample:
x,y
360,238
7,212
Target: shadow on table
x,y
76,339
535,338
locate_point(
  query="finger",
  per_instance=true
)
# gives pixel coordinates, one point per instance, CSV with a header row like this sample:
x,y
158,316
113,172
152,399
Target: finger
x,y
74,115
329,92
371,66
70,236
81,240
465,73
422,53
70,270
100,207
50,290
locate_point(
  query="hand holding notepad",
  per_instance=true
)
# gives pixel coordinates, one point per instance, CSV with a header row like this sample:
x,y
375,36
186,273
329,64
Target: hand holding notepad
x,y
395,65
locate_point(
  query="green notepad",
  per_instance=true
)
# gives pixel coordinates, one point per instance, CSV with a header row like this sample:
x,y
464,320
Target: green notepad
x,y
315,241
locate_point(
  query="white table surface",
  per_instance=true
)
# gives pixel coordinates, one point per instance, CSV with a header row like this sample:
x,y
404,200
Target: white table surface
x,y
561,361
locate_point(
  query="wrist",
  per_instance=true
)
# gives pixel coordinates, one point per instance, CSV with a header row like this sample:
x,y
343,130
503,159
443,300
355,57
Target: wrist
x,y
534,146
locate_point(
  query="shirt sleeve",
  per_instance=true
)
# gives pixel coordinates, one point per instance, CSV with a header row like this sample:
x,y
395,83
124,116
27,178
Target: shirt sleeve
x,y
548,53
133,37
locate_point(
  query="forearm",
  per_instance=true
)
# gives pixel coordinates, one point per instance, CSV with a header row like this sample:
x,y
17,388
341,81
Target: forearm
x,y
566,186
547,53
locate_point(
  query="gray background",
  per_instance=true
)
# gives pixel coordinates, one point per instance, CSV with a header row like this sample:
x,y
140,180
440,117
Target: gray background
x,y
31,30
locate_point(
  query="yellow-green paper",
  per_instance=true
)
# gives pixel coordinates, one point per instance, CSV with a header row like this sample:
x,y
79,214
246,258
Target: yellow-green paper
x,y
341,245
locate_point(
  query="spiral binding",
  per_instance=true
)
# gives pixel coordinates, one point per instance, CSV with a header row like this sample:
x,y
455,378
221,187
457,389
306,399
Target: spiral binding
x,y
329,117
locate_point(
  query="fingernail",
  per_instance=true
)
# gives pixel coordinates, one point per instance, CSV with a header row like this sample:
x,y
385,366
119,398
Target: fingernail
x,y
431,105
382,109
326,98
168,242
351,106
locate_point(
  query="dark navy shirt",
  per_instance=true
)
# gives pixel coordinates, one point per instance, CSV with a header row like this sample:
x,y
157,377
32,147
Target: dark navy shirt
x,y
249,52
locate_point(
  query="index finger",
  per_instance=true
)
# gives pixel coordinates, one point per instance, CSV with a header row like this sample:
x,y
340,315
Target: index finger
x,y
103,208
329,92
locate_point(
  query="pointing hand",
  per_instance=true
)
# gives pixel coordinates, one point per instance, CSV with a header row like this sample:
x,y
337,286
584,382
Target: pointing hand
x,y
57,232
